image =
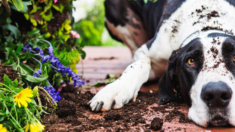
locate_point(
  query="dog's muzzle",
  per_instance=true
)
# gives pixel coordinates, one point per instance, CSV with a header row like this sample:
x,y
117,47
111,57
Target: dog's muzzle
x,y
217,96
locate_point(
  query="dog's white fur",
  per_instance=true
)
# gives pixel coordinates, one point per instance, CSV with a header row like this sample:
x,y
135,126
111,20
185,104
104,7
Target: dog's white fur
x,y
128,85
198,111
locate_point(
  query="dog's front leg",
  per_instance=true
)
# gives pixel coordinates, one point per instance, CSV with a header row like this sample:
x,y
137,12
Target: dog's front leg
x,y
120,92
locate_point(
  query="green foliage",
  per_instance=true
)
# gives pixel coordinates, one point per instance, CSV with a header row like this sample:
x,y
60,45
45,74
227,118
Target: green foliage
x,y
13,41
13,117
92,28
43,11
64,31
91,35
68,59
11,53
40,13
58,31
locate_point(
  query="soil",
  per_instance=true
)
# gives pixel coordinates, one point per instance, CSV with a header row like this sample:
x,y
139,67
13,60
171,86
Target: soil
x,y
211,28
74,115
156,124
9,71
105,58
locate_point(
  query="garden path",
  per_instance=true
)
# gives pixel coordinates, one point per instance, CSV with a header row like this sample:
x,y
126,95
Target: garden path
x,y
101,61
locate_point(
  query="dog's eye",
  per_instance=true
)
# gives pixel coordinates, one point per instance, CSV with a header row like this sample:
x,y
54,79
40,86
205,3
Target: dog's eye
x,y
191,61
233,58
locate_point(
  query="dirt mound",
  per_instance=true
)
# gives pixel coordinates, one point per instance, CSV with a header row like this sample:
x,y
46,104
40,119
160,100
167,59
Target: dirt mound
x,y
9,71
156,124
74,115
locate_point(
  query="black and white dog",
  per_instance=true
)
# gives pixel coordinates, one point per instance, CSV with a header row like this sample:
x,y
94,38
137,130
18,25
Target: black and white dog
x,y
194,38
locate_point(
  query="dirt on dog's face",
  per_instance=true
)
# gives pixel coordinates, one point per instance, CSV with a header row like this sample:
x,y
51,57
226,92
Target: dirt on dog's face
x,y
202,73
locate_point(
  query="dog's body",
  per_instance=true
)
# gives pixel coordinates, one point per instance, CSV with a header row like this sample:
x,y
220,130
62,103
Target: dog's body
x,y
195,36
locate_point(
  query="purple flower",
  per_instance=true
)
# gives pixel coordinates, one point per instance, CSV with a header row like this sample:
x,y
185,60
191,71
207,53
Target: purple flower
x,y
37,73
55,65
30,50
54,61
53,93
50,50
25,47
40,50
58,97
46,58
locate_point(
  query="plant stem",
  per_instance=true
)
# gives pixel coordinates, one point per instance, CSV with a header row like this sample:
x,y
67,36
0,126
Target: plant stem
x,y
48,95
17,123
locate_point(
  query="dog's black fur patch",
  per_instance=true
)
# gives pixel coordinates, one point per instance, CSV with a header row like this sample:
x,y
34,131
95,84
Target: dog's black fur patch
x,y
152,14
180,76
228,52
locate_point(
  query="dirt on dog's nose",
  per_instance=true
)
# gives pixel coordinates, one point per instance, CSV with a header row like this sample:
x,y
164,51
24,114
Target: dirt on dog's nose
x,y
216,94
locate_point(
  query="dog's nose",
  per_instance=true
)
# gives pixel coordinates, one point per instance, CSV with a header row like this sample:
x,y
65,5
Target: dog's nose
x,y
216,94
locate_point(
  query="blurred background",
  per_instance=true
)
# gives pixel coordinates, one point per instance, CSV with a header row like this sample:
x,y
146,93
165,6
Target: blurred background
x,y
89,23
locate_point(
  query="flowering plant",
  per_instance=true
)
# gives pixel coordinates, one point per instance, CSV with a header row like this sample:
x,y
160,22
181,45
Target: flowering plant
x,y
55,65
18,109
34,58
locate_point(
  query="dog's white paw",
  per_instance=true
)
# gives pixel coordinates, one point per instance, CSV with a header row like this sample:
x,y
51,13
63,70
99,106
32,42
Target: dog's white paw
x,y
120,92
113,96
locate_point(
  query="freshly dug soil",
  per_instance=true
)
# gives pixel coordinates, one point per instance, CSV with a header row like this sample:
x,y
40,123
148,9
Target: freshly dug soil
x,y
156,124
9,71
74,115
174,113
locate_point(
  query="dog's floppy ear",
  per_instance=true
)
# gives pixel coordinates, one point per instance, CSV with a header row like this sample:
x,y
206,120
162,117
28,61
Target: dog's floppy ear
x,y
169,81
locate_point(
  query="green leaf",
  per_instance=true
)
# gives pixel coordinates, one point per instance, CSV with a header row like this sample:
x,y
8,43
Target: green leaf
x,y
13,29
33,32
8,51
47,16
15,89
19,48
8,20
15,83
25,69
18,4
34,8
26,16
26,56
33,21
34,79
35,91
25,7
7,80
48,6
47,35
66,26
82,53
59,7
1,119
66,37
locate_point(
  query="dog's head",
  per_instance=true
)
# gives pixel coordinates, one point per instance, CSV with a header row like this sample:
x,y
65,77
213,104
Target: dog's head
x,y
202,73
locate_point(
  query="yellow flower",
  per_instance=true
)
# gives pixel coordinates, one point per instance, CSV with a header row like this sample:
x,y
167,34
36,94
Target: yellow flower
x,y
26,128
35,127
2,129
40,126
22,97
